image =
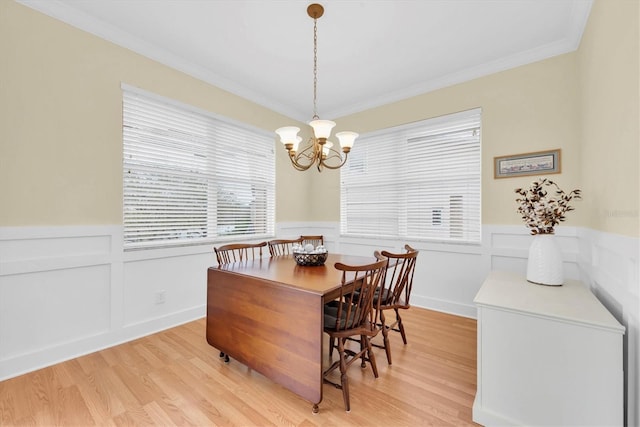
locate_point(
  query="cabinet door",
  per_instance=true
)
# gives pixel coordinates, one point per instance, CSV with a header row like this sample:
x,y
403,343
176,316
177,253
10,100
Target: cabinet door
x,y
544,371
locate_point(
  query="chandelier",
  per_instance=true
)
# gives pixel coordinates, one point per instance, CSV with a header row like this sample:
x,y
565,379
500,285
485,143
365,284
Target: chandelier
x,y
318,150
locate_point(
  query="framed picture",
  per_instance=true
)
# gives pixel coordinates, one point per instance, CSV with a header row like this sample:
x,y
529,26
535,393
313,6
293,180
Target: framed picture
x,y
538,163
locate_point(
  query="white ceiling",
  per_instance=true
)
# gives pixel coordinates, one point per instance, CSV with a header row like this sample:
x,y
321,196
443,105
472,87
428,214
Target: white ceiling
x,y
370,52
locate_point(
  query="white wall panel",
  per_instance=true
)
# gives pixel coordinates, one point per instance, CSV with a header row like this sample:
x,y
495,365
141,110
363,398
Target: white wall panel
x,y
610,264
68,291
56,292
46,308
182,280
446,281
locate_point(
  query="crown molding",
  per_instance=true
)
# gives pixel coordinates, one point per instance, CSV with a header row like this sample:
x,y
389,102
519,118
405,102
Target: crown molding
x,y
61,11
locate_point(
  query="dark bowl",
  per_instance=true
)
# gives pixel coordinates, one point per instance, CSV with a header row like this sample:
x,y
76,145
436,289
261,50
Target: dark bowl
x,y
306,259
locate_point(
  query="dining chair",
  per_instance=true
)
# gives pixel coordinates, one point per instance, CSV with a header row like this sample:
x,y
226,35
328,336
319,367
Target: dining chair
x,y
395,293
314,240
282,246
234,252
351,315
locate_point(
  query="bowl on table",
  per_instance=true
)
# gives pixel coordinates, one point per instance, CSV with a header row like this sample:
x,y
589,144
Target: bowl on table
x,y
314,258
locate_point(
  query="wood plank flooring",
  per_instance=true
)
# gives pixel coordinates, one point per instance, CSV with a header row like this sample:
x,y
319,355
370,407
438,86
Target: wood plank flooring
x,y
175,378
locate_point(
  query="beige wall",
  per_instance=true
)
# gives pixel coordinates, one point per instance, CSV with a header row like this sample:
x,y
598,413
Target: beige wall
x,y
608,61
61,143
585,103
293,198
530,108
61,121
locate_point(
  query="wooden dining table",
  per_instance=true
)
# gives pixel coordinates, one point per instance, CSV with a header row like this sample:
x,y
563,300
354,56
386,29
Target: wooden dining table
x,y
268,315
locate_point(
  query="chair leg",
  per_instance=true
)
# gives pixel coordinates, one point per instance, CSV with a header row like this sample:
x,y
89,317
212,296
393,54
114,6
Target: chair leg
x,y
344,380
401,327
385,336
331,345
387,342
371,356
363,356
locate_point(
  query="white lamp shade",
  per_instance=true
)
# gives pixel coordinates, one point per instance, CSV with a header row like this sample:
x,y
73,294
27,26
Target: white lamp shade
x,y
289,135
326,147
346,138
296,144
322,128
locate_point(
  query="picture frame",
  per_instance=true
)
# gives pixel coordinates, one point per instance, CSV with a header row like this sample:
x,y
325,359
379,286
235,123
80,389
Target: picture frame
x,y
535,163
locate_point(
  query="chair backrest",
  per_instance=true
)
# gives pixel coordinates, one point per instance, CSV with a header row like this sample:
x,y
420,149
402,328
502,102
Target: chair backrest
x,y
399,280
235,252
282,246
314,240
355,308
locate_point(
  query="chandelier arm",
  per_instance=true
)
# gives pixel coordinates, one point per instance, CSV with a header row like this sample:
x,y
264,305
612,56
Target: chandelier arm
x,y
344,160
298,166
334,153
308,154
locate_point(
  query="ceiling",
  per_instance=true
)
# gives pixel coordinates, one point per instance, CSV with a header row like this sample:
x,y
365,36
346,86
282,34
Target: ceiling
x,y
370,52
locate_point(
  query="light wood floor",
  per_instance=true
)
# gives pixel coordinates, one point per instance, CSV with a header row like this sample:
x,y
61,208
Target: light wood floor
x,y
175,378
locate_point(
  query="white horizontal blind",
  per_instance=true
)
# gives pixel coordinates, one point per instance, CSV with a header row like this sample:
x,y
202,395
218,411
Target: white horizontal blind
x,y
418,182
192,178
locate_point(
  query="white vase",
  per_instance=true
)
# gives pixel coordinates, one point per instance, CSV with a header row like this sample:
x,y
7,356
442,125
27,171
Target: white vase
x,y
545,261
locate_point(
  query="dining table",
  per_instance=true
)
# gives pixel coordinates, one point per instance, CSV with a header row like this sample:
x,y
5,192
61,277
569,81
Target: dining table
x,y
267,314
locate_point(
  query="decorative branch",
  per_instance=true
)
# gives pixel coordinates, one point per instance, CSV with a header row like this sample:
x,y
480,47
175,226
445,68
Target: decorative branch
x,y
541,211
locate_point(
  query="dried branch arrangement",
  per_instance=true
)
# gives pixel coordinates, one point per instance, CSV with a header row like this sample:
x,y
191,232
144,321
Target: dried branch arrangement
x,y
542,206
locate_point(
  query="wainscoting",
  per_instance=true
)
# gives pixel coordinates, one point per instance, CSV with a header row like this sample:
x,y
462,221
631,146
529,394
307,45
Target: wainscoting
x,y
68,291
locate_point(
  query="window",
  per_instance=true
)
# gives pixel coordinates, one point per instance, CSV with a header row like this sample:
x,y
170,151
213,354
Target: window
x,y
419,181
190,177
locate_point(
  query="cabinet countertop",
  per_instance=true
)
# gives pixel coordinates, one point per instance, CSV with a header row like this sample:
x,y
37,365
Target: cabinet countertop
x,y
571,302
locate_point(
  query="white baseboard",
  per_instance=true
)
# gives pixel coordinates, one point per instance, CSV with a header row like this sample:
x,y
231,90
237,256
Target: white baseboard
x,y
47,356
464,310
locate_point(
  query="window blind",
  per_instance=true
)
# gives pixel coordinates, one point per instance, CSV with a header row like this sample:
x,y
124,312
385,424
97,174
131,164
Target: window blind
x,y
192,178
420,181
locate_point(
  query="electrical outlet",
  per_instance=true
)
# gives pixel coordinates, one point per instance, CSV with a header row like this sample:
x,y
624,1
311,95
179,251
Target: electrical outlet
x,y
161,297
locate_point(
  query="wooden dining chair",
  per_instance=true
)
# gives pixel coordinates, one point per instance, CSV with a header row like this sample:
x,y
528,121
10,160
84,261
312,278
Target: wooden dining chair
x,y
353,315
234,252
395,293
314,240
282,246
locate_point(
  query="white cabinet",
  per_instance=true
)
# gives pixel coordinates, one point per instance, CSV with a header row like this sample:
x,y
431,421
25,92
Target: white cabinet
x,y
547,355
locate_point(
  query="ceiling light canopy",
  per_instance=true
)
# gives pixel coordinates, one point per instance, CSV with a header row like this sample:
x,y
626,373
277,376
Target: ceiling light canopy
x,y
318,151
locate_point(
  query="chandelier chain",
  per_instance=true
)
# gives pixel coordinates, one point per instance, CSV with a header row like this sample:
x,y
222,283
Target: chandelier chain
x,y
315,68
